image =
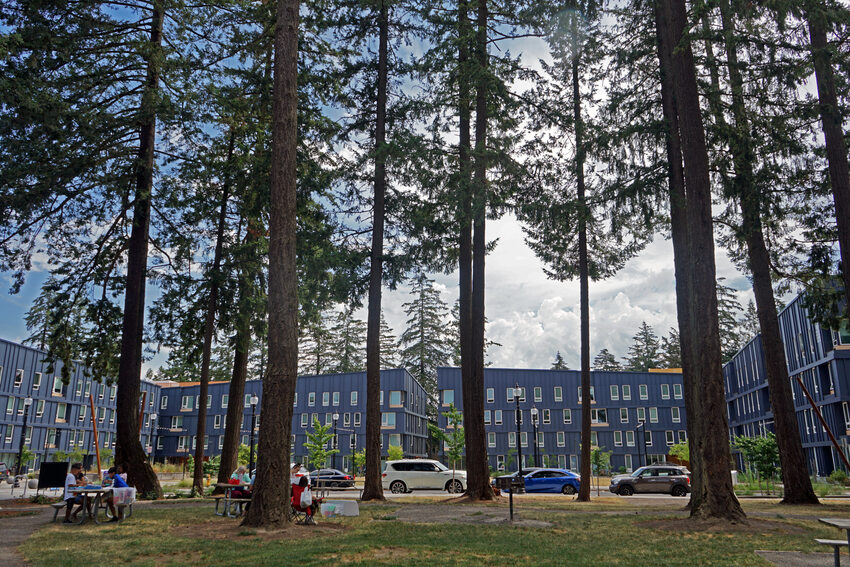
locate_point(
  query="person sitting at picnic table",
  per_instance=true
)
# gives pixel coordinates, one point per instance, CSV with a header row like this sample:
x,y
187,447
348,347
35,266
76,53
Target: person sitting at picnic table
x,y
240,476
117,482
297,492
295,473
72,479
122,470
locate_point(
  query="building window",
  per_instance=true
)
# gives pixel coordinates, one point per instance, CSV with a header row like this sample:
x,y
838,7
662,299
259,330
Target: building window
x,y
599,416
561,439
624,415
644,392
346,420
225,400
82,413
357,419
670,438
500,462
647,435
61,413
326,398
101,390
396,399
547,418
177,422
511,439
509,394
163,402
247,400
10,430
381,402
665,391
641,414
19,377
541,439
675,414
186,403
677,391
683,436
653,415
523,439
112,392
354,398
630,438
615,392
594,439
538,394
57,385
311,399
88,389
491,395
10,405
568,416
627,392
36,380
305,418
497,417
388,419
491,439
486,417
352,441
559,394
592,394
295,400
618,438
217,422
448,397
335,398
79,390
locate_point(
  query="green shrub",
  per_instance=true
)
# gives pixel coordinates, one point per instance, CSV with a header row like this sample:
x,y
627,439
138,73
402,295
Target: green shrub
x,y
838,476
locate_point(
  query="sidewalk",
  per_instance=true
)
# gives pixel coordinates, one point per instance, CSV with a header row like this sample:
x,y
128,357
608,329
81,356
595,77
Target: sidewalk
x,y
16,530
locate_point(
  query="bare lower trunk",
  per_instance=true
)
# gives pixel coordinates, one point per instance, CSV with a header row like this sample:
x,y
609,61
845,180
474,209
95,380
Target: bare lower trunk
x,y
128,447
372,489
833,133
477,469
229,460
716,498
270,505
798,486
209,329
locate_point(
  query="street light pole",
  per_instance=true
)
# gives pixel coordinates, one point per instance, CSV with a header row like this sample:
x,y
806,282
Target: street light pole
x,y
517,392
335,444
254,401
639,430
534,425
27,404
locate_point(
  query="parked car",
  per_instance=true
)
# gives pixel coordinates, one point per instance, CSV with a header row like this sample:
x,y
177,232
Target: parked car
x,y
552,480
4,471
662,479
331,478
410,474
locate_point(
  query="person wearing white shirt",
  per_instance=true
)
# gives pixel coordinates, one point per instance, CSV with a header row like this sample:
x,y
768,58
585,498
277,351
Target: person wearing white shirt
x,y
70,498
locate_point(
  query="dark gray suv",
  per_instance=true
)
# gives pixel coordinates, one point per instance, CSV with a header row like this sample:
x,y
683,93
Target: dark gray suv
x,y
661,479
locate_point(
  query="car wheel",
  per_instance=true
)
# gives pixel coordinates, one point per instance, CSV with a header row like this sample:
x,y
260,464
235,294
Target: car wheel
x,y
626,490
679,490
398,487
569,489
334,484
454,487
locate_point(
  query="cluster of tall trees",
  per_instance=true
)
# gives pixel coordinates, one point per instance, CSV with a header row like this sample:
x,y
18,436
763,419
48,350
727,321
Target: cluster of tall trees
x,y
258,163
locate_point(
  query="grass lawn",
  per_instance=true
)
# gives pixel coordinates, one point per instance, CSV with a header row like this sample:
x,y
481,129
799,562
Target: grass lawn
x,y
627,535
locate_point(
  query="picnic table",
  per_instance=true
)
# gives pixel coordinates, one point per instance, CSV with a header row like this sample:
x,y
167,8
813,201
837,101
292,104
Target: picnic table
x,y
842,524
232,506
93,493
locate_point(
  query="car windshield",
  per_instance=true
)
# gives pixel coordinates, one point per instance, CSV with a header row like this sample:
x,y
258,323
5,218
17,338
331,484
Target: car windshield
x,y
638,472
441,466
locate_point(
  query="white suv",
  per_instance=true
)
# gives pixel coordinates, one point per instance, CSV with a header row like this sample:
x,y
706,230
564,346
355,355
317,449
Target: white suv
x,y
410,474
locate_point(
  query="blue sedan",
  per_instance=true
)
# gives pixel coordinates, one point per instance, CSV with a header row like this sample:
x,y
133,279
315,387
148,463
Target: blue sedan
x,y
552,480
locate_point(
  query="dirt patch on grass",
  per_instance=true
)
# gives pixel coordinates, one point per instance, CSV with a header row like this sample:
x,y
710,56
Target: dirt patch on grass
x,y
753,526
377,554
15,513
230,529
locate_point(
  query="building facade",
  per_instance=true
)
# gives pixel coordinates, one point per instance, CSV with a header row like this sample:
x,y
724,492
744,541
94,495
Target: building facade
x,y
820,358
635,415
59,415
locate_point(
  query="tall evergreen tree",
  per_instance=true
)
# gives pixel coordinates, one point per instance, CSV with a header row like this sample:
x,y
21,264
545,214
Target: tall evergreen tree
x,y
643,353
424,344
670,350
606,361
559,363
728,310
348,336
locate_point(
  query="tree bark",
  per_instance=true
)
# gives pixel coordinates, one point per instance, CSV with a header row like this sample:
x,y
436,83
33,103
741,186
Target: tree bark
x,y
372,489
717,498
270,505
833,132
209,329
230,447
128,447
584,285
681,245
475,436
795,478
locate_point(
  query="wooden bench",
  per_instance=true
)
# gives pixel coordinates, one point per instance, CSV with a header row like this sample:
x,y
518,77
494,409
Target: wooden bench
x,y
235,504
836,544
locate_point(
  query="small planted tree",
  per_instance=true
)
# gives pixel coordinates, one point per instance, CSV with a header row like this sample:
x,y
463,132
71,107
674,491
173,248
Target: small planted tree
x,y
681,451
359,460
761,455
453,438
395,453
600,461
318,442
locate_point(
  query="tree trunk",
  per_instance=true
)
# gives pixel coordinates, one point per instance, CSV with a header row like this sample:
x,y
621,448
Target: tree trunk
x,y
679,230
584,292
717,498
209,329
475,436
372,489
128,447
270,505
230,448
833,132
798,486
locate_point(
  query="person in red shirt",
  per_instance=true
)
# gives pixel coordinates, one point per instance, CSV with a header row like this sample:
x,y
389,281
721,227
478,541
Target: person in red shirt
x,y
297,490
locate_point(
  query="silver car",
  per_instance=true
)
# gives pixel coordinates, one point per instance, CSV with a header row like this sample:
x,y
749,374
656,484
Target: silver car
x,y
659,479
410,474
